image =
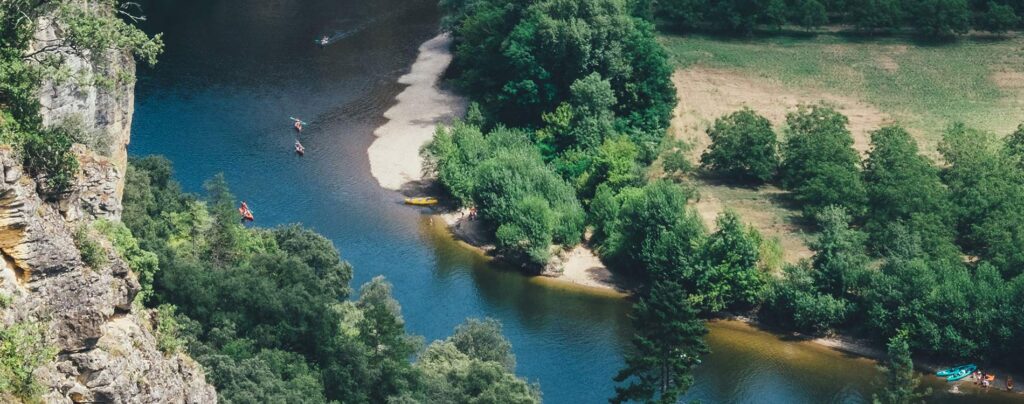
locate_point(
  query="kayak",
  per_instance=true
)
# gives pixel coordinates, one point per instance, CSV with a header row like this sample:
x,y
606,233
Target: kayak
x,y
299,149
246,214
952,370
421,201
959,372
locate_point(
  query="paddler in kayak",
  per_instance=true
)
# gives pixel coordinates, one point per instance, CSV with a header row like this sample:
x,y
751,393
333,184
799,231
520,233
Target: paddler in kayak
x,y
324,41
298,125
298,148
245,212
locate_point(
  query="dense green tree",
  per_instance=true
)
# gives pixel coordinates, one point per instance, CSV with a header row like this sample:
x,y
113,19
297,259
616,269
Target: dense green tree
x,y
939,18
809,14
1014,145
903,187
728,276
876,15
452,157
683,14
986,186
997,18
794,301
656,234
521,59
839,261
382,330
901,382
819,164
482,340
743,147
668,343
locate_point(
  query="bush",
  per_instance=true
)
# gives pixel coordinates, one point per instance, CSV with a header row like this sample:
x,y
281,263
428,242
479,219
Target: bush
x,y
91,251
743,147
168,338
48,156
23,349
143,263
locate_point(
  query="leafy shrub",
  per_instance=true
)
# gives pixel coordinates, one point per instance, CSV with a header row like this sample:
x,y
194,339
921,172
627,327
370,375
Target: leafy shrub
x,y
168,338
144,263
23,349
92,252
48,155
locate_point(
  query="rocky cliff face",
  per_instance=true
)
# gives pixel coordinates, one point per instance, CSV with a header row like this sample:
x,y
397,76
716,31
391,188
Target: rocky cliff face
x,y
103,113
107,349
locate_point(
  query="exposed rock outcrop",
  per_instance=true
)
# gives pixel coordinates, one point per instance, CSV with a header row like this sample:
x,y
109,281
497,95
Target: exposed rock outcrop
x,y
102,113
107,350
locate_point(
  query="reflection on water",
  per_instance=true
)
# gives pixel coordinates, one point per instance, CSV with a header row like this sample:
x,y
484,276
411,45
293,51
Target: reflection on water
x,y
219,101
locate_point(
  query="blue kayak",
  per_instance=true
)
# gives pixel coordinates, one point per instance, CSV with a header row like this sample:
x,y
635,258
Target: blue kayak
x,y
957,373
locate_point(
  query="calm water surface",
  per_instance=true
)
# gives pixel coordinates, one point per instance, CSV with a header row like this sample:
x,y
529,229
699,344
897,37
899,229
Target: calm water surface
x,y
219,101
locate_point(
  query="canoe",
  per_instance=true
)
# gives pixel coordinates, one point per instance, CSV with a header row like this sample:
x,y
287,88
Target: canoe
x,y
961,372
952,370
421,201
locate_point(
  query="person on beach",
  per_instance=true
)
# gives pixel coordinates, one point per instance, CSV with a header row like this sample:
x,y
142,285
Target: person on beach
x,y
1009,383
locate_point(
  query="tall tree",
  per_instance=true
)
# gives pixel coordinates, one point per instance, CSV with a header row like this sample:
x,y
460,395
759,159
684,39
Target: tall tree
x,y
382,330
901,384
819,164
667,346
839,257
903,187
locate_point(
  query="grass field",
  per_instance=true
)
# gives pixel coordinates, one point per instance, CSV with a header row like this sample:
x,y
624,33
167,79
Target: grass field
x,y
874,82
925,87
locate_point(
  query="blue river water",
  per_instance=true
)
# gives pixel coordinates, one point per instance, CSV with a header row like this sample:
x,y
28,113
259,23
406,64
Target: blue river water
x,y
220,100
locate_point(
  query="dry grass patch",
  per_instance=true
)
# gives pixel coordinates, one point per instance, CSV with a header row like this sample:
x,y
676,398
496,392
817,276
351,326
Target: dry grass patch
x,y
706,94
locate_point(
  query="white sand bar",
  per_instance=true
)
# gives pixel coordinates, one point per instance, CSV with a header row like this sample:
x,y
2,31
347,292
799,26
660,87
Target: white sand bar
x,y
394,156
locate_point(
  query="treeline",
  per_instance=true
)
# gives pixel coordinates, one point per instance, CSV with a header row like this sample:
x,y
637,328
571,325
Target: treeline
x,y
904,245
268,315
927,18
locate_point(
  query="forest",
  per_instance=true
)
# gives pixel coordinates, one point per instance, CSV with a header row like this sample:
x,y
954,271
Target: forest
x,y
572,108
930,19
268,314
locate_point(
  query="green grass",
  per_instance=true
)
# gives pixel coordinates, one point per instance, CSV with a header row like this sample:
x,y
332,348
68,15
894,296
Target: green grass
x,y
930,87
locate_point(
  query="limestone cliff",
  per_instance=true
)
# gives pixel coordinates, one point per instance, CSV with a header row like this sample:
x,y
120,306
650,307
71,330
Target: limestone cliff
x,y
107,349
102,113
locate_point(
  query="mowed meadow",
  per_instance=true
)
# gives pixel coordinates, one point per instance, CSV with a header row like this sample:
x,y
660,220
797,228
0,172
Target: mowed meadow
x,y
976,80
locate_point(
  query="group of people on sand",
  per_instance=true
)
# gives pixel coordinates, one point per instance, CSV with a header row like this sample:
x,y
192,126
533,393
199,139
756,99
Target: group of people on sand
x,y
986,380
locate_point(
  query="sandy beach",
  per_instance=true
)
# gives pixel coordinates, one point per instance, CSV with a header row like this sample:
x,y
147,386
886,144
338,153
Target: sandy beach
x,y
395,155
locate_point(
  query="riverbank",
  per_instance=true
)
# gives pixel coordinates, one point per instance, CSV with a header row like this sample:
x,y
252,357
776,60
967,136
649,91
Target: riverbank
x,y
395,155
396,164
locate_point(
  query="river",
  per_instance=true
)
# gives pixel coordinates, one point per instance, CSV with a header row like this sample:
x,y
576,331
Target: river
x,y
219,101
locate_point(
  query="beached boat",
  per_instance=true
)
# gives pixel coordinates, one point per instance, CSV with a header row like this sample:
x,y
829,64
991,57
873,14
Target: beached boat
x,y
421,201
956,373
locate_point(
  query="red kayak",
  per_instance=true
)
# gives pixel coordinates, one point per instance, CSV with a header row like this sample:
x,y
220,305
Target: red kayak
x,y
245,212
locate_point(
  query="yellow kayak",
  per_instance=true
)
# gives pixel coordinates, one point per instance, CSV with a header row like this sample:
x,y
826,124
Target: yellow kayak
x,y
422,201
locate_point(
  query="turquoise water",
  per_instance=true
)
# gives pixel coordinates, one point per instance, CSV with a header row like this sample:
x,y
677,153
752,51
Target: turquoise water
x,y
219,101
